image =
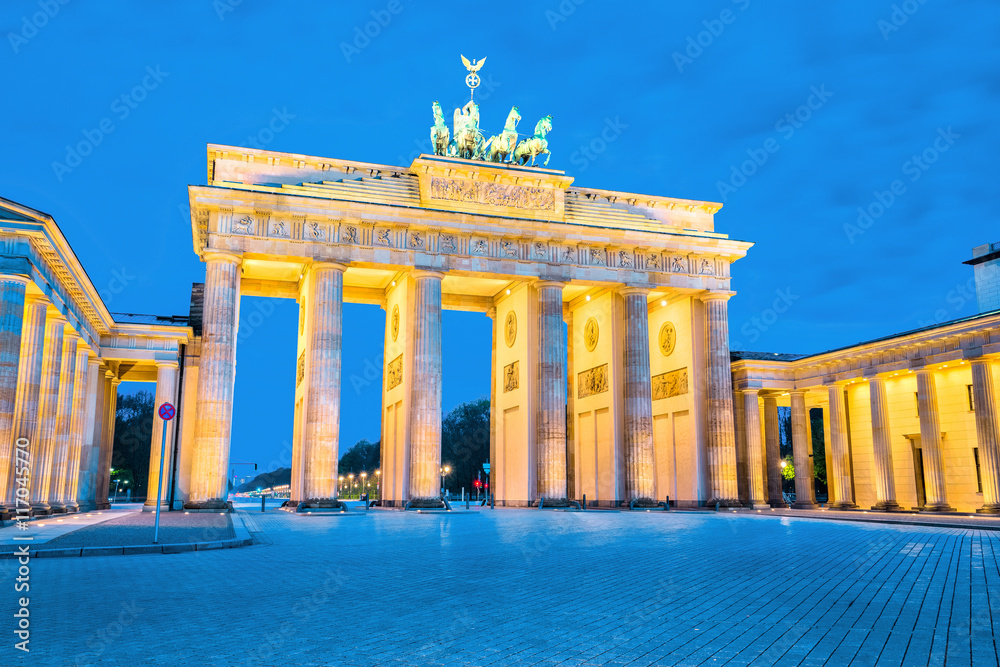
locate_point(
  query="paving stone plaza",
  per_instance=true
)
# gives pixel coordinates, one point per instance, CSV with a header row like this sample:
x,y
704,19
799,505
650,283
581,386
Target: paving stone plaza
x,y
520,586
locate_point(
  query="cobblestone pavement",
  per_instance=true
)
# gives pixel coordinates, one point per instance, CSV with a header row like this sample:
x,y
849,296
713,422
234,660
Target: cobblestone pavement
x,y
528,587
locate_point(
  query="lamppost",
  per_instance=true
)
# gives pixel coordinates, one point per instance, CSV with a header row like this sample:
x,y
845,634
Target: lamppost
x,y
350,482
341,485
364,476
378,483
118,483
444,473
125,484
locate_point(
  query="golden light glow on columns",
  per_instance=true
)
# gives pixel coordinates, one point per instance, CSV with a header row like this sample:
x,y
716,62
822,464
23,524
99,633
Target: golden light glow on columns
x,y
12,315
425,406
721,427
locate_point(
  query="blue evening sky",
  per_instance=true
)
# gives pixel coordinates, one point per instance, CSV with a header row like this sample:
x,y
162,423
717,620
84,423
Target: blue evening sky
x,y
664,98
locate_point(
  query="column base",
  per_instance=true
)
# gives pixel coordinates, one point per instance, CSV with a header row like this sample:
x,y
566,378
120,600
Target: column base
x,y
103,505
425,503
57,508
321,504
888,506
804,505
40,509
217,504
937,507
757,506
87,506
777,503
164,507
989,509
842,506
723,503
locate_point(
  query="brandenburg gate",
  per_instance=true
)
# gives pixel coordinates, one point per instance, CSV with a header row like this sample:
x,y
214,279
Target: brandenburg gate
x,y
611,368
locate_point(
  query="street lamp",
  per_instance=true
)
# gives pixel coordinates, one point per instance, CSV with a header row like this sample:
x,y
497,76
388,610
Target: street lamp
x,y
118,483
341,480
444,473
378,482
350,478
126,490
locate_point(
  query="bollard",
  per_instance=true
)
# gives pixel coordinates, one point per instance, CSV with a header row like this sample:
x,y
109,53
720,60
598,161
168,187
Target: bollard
x,y
716,505
262,502
492,506
585,501
666,507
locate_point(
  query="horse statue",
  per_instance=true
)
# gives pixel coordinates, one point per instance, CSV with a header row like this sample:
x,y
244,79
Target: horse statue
x,y
467,141
440,135
501,148
534,146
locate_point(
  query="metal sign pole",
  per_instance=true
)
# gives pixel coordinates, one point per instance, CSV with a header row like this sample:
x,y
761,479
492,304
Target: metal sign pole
x,y
159,483
166,413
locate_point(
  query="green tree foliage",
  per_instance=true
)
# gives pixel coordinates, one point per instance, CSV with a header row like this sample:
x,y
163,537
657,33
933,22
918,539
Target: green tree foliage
x,y
363,456
465,443
133,434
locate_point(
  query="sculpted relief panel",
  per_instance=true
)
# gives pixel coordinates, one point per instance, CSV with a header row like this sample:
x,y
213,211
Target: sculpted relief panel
x,y
668,385
493,194
510,377
593,381
394,373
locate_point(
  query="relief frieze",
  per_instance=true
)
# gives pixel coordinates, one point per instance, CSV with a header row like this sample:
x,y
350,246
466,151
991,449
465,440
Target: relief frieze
x,y
492,194
593,381
668,385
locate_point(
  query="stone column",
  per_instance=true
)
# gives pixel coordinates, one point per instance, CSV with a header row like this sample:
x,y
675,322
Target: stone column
x,y
425,397
572,464
721,426
840,475
321,427
987,434
930,444
166,390
491,475
81,395
48,406
109,406
63,442
216,377
805,490
885,484
12,314
86,495
772,442
740,427
638,404
29,381
755,458
552,392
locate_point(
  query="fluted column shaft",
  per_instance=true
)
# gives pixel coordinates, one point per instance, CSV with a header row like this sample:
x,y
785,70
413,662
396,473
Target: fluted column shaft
x,y
840,476
930,444
550,418
987,433
63,443
321,430
86,494
81,394
166,390
772,449
110,411
216,377
805,491
48,406
12,314
425,397
638,404
721,425
885,484
754,448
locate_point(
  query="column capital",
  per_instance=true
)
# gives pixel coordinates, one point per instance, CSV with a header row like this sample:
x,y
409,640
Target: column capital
x,y
222,256
426,273
549,283
323,265
629,290
716,296
491,312
755,391
167,364
14,278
